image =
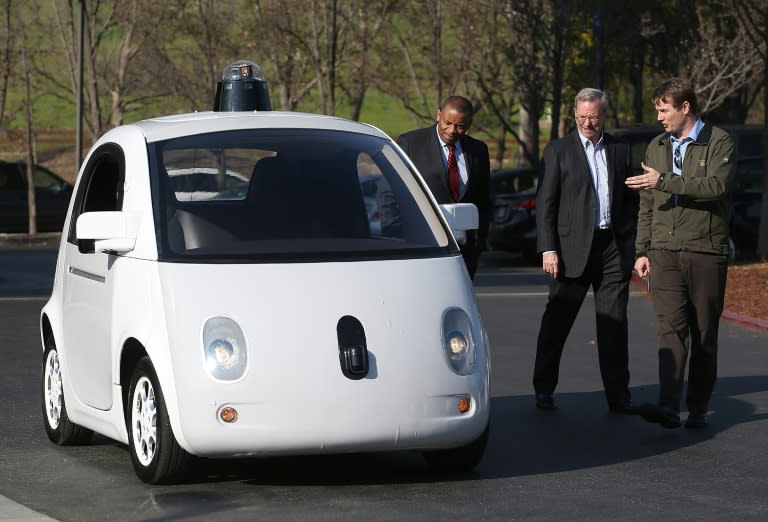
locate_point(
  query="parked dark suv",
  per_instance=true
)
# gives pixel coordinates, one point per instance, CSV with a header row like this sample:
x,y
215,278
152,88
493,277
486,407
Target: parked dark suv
x,y
748,185
52,196
513,225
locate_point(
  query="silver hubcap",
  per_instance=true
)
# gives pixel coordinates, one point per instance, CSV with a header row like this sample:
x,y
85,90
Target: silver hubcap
x,y
144,421
52,389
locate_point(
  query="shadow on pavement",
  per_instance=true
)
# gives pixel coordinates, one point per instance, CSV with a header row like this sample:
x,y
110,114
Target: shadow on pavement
x,y
581,433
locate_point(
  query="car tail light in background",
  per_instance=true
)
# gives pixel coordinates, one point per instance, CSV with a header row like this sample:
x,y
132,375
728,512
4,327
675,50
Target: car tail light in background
x,y
515,211
527,204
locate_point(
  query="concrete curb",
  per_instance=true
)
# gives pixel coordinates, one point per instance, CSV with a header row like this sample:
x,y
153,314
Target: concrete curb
x,y
743,320
732,317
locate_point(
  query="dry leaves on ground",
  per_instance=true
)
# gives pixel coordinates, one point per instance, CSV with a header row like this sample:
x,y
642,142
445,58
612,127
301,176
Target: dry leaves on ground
x,y
746,292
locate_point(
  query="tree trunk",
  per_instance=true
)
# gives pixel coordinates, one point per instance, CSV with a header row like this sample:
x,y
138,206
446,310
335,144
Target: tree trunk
x,y
529,135
5,71
501,148
31,205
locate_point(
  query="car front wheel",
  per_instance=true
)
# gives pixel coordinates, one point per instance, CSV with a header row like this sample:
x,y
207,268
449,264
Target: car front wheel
x,y
156,456
459,460
60,429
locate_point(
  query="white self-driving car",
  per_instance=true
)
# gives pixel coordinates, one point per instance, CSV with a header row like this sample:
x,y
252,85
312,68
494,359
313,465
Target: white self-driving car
x,y
221,291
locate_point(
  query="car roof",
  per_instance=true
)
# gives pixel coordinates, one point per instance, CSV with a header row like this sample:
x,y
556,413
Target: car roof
x,y
174,126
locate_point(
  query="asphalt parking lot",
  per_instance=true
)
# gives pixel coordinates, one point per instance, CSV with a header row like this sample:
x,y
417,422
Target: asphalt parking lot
x,y
577,463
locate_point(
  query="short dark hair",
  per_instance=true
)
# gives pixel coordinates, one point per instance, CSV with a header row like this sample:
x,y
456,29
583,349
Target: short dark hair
x,y
676,91
459,103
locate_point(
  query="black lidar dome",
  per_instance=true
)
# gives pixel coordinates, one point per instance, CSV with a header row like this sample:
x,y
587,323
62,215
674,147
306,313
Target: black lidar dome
x,y
242,88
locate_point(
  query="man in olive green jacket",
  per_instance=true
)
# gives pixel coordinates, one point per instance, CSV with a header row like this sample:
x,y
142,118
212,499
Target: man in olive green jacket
x,y
682,247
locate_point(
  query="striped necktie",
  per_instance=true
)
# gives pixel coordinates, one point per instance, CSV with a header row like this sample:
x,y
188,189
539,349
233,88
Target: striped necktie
x,y
677,161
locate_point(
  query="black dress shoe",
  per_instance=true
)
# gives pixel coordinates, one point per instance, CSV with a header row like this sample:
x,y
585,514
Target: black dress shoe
x,y
626,407
696,421
667,417
544,401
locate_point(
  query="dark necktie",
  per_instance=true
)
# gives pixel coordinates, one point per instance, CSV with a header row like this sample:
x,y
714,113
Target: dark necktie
x,y
453,173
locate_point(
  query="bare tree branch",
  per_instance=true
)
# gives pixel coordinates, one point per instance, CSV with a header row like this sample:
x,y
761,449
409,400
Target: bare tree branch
x,y
723,60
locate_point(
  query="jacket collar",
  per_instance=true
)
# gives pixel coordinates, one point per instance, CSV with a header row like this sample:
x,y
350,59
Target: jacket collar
x,y
702,139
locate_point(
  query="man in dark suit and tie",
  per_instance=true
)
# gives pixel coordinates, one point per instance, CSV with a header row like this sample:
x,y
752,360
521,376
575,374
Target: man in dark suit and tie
x,y
586,220
455,166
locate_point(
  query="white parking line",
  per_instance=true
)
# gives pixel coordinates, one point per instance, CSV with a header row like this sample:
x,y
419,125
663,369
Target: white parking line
x,y
31,298
13,511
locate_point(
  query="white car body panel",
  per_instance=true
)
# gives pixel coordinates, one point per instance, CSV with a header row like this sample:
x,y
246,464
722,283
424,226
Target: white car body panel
x,y
293,397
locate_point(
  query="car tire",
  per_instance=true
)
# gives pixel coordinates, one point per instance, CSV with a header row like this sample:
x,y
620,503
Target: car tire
x,y
60,429
458,460
156,456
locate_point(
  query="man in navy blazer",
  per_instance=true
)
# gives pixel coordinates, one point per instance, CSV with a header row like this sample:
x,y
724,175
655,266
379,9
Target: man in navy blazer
x,y
586,221
430,150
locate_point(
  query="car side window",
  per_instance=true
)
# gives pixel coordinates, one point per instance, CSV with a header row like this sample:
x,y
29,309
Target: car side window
x,y
47,181
101,187
11,177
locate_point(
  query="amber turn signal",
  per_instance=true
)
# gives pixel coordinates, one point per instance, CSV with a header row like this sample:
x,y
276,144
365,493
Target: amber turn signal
x,y
464,404
228,414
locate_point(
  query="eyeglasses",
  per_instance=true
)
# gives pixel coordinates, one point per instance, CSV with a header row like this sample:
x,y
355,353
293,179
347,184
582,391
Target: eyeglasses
x,y
594,120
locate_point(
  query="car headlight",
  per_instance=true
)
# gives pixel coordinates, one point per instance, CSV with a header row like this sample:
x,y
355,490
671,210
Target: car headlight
x,y
224,349
458,341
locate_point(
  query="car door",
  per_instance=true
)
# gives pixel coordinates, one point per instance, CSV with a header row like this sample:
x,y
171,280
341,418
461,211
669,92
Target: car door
x,y
13,199
87,311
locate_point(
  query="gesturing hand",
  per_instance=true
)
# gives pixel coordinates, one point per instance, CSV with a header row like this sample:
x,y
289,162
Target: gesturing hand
x,y
645,181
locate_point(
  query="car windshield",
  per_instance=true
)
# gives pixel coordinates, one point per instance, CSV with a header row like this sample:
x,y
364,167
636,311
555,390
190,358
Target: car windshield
x,y
290,195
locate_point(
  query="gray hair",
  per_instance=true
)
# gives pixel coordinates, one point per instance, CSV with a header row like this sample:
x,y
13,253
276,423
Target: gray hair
x,y
590,94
